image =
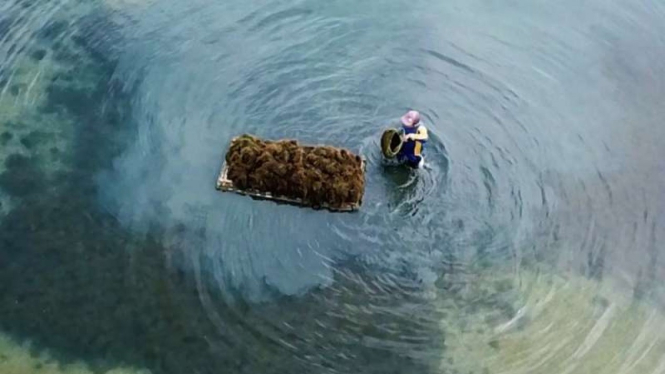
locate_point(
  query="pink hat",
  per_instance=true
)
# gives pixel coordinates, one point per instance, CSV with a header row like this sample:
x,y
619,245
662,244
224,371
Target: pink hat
x,y
411,118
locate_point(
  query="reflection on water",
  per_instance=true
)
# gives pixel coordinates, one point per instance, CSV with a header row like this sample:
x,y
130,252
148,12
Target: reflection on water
x,y
529,244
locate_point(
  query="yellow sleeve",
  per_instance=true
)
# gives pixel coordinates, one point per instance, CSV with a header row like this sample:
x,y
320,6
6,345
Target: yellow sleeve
x,y
421,134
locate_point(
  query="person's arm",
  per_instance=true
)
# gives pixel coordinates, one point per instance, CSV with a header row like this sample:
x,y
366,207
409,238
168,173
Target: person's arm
x,y
420,135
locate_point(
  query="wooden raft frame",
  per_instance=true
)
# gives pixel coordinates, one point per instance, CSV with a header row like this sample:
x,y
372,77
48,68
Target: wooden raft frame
x,y
224,184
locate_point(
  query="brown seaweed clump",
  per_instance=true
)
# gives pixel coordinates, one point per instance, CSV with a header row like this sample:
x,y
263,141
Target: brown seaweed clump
x,y
318,176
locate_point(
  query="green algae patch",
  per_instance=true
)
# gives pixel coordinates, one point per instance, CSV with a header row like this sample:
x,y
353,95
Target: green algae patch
x,y
26,130
50,100
21,177
22,359
571,325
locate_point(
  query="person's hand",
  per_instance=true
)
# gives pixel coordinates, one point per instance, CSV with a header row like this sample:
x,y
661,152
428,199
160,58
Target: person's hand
x,y
408,137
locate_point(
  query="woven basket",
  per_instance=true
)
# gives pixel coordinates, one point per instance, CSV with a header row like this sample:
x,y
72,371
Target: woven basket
x,y
391,143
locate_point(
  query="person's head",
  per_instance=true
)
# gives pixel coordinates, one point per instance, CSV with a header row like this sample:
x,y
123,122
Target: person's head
x,y
411,119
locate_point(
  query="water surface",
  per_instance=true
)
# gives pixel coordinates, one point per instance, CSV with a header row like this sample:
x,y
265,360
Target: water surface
x,y
542,196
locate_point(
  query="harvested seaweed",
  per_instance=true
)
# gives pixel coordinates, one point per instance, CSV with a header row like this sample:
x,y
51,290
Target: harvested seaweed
x,y
319,176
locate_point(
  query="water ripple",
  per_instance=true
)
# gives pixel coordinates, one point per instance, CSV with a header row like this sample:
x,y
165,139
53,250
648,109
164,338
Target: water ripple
x,y
529,242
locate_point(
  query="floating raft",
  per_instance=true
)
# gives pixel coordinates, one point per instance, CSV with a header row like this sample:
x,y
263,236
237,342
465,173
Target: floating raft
x,y
225,184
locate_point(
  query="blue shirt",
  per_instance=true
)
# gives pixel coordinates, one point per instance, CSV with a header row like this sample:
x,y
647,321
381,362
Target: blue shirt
x,y
413,149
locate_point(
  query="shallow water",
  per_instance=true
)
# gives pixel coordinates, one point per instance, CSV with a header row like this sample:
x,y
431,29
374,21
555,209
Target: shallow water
x,y
542,195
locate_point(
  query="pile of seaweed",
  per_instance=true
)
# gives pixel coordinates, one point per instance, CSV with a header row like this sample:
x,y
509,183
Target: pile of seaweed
x,y
319,176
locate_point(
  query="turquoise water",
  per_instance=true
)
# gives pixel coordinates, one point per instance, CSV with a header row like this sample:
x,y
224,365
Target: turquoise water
x,y
545,161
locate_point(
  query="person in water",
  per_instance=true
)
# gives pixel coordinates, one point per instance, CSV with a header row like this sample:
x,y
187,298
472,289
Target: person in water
x,y
415,136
